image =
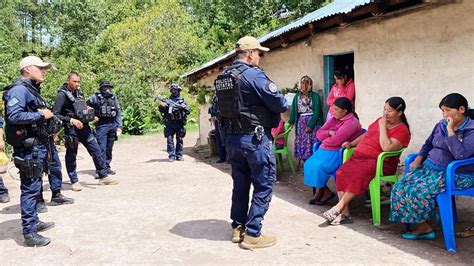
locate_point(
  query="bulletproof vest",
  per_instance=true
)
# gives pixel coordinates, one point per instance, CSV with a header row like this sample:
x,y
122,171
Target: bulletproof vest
x,y
176,113
18,135
237,117
107,107
81,112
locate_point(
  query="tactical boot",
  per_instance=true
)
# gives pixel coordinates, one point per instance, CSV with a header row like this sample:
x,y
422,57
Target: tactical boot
x,y
42,226
60,199
41,207
4,198
36,240
107,181
111,172
179,158
171,158
76,186
238,234
262,241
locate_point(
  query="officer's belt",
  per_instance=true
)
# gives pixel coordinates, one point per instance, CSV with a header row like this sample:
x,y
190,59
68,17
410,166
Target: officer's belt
x,y
106,120
244,131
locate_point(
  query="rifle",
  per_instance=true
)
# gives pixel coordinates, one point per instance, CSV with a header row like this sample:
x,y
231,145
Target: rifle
x,y
170,104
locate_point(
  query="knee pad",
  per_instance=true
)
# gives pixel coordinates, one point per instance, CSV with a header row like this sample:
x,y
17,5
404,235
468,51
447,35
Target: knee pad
x,y
182,132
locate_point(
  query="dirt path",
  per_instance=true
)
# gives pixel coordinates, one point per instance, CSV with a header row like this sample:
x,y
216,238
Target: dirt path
x,y
178,212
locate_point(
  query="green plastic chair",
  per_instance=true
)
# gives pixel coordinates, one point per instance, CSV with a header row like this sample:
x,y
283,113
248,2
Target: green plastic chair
x,y
284,150
374,186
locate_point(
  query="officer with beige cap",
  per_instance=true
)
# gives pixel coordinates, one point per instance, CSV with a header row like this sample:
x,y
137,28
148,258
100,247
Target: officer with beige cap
x,y
249,105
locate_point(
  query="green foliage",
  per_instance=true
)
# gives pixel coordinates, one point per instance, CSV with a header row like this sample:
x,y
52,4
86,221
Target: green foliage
x,y
141,46
133,123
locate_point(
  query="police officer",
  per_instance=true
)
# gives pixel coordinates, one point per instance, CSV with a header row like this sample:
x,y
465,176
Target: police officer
x,y
249,105
175,111
109,123
29,128
4,198
214,112
71,107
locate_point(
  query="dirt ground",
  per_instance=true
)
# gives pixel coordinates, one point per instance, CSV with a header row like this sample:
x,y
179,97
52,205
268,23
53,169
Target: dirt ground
x,y
178,213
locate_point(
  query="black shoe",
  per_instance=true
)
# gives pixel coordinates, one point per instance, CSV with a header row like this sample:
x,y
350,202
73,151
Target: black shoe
x,y
220,161
179,158
171,158
324,202
4,198
60,199
111,172
41,207
36,240
42,226
313,202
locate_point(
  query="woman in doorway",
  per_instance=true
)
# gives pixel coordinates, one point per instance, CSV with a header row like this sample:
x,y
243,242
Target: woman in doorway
x,y
343,87
388,133
306,113
343,126
414,196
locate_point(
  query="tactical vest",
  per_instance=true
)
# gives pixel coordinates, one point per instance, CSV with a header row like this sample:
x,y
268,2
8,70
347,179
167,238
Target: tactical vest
x,y
236,117
25,135
81,112
106,107
177,113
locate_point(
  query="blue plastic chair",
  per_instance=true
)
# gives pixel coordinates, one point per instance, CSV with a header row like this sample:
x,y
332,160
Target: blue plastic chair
x,y
446,200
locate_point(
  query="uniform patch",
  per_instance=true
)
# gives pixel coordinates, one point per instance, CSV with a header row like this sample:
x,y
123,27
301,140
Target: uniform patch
x,y
272,87
12,102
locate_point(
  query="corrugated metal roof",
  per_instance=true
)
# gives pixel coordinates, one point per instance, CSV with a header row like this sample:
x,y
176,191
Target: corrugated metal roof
x,y
334,8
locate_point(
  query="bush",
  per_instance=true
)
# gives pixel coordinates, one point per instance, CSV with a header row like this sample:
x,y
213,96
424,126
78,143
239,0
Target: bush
x,y
133,123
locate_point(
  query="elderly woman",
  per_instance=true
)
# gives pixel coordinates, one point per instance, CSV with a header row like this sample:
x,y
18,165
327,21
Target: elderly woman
x,y
413,197
343,87
343,126
390,132
307,115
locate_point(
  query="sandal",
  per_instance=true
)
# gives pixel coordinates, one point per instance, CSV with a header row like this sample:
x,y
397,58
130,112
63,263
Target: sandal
x,y
331,214
466,233
324,202
342,219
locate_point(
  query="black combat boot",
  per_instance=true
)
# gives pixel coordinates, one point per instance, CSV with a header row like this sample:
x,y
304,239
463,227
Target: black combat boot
x,y
41,207
43,226
110,172
36,240
59,199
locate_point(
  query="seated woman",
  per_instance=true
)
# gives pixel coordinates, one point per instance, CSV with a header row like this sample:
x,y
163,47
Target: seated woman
x,y
388,133
343,126
413,197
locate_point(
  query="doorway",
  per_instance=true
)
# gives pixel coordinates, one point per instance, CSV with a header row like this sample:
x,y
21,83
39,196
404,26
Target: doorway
x,y
333,62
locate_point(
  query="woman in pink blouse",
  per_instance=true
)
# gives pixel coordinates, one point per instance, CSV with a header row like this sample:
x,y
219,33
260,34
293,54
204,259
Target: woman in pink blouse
x,y
343,126
343,87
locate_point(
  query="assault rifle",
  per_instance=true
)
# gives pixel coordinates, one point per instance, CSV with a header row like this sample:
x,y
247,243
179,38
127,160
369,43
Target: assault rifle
x,y
171,104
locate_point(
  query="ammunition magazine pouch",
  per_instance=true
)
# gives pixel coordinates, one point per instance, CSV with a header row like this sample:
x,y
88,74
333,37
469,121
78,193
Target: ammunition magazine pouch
x,y
29,168
15,135
83,113
71,142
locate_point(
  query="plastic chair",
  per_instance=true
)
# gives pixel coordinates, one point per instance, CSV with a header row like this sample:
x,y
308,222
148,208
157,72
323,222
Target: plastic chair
x,y
284,150
447,201
374,185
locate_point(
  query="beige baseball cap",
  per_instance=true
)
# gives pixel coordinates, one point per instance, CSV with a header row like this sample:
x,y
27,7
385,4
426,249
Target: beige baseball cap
x,y
249,43
34,61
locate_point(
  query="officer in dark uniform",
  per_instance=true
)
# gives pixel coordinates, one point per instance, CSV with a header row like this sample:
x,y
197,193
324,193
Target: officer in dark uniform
x,y
109,124
214,112
29,128
175,111
4,198
249,106
71,107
